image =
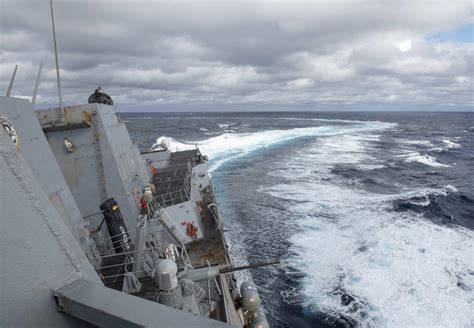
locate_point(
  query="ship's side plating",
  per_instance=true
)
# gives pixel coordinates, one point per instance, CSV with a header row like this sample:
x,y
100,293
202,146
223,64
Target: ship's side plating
x,y
172,250
39,251
168,205
96,136
89,225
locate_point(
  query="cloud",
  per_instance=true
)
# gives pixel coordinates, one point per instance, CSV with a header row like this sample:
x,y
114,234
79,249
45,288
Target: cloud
x,y
154,55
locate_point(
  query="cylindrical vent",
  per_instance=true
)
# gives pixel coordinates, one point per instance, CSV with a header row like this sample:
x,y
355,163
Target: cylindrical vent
x,y
250,296
259,320
166,271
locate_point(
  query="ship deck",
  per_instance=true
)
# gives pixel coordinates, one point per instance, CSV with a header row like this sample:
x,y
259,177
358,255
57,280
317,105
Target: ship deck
x,y
212,248
172,187
171,183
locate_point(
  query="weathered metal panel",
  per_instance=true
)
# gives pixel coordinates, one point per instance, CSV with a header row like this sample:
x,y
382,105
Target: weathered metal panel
x,y
79,169
67,126
185,213
36,151
38,251
159,159
106,307
124,170
72,115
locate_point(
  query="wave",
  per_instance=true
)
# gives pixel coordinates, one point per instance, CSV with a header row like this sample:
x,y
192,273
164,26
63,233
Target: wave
x,y
379,260
172,144
371,167
364,261
444,205
451,144
446,145
427,143
443,191
437,146
422,159
227,146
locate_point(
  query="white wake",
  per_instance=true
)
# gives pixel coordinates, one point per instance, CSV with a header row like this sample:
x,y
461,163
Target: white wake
x,y
228,146
402,270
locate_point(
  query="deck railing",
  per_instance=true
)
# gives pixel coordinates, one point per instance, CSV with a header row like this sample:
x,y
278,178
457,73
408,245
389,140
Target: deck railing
x,y
174,197
118,265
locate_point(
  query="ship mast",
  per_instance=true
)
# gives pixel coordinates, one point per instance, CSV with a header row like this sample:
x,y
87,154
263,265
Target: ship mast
x,y
61,118
10,86
35,91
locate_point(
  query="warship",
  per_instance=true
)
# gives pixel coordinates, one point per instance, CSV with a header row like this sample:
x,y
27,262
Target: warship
x,y
96,233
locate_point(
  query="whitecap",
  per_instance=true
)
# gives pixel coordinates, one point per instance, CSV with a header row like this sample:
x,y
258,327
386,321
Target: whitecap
x,y
423,159
423,195
444,191
437,149
370,167
172,144
401,268
230,145
426,143
451,144
227,146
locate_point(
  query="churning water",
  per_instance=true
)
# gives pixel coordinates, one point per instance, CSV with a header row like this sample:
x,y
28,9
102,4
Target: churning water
x,y
371,214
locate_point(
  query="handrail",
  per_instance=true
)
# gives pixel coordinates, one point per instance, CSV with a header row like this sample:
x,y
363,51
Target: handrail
x,y
125,253
157,207
172,221
175,196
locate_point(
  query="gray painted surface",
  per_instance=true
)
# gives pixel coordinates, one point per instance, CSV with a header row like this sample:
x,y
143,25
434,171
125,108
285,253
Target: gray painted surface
x,y
158,159
181,215
38,250
107,307
124,169
123,159
37,153
200,178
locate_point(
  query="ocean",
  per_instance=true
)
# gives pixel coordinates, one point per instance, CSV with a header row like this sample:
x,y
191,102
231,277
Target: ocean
x,y
370,213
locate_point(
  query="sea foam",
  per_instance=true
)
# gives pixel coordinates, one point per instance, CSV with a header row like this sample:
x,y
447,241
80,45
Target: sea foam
x,y
451,144
399,269
227,146
423,159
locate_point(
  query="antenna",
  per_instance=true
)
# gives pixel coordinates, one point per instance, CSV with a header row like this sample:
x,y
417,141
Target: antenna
x,y
35,91
61,118
149,142
10,86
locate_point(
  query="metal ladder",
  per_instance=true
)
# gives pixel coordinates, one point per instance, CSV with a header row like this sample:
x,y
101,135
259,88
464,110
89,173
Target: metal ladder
x,y
158,211
100,162
171,230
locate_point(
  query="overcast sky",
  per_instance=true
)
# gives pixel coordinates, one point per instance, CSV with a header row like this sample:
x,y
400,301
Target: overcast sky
x,y
229,55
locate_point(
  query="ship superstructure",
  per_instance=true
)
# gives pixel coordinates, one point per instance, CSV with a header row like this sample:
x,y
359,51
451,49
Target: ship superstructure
x,y
96,233
105,234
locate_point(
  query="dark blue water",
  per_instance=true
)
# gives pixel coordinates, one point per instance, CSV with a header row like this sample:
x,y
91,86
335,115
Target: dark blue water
x,y
371,214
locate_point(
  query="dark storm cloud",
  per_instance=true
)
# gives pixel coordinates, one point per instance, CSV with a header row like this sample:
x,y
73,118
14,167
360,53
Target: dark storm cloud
x,y
152,54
